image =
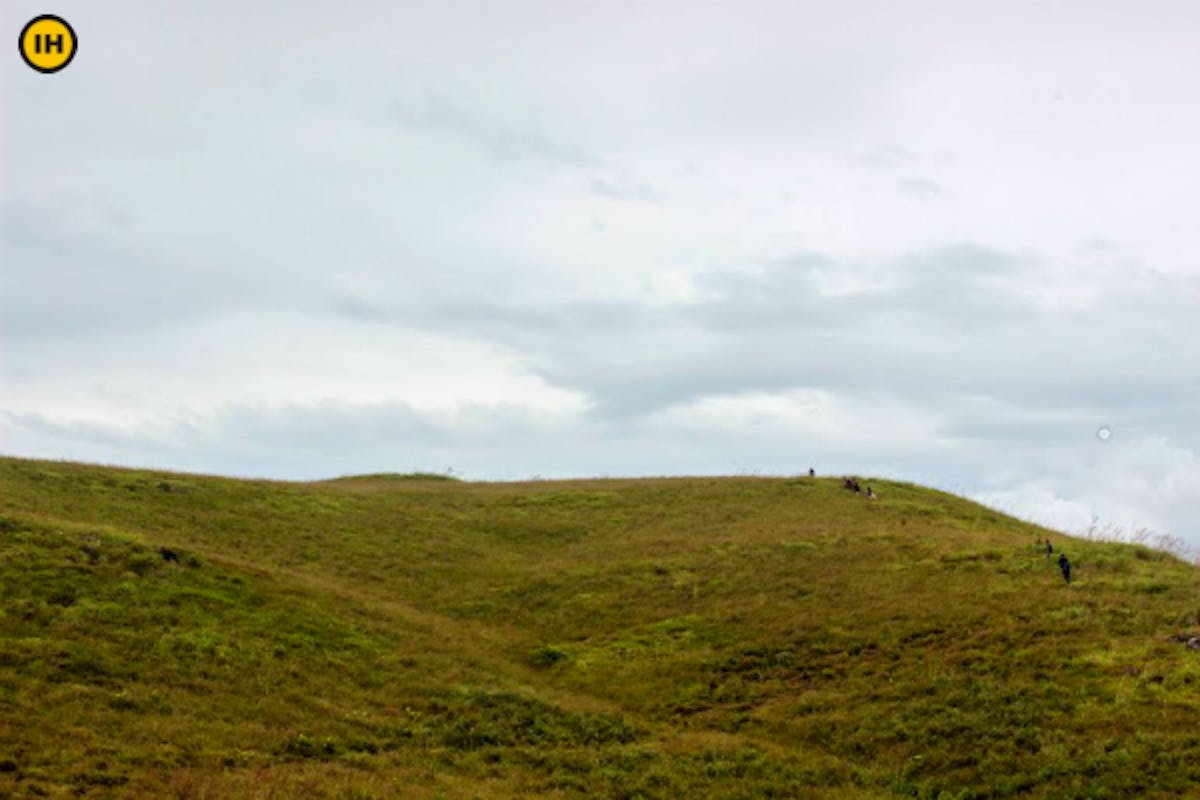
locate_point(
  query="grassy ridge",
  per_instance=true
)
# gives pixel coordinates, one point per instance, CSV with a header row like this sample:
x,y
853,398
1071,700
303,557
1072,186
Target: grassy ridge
x,y
415,636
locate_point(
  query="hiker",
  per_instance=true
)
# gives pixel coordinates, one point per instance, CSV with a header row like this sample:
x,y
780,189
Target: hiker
x,y
857,488
848,484
1049,548
812,473
1065,566
871,494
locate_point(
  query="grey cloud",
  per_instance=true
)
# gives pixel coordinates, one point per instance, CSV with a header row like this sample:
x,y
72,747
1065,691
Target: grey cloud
x,y
81,273
505,144
797,275
300,441
927,325
886,157
945,288
919,187
75,432
315,441
356,308
67,226
518,145
622,188
1101,245
547,318
17,372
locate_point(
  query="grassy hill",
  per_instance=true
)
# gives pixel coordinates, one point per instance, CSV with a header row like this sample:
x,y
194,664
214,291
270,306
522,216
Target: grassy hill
x,y
412,636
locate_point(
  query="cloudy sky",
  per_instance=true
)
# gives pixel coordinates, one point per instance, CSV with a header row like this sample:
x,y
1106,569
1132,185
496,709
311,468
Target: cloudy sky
x,y
946,242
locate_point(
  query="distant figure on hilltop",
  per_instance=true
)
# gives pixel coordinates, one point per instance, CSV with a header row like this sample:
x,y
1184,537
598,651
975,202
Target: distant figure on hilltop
x,y
1065,566
812,473
1049,548
871,494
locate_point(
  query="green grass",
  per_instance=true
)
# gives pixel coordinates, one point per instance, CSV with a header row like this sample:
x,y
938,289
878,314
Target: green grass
x,y
413,636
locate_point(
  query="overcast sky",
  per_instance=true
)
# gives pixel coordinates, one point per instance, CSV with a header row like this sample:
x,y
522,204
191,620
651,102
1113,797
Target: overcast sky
x,y
946,242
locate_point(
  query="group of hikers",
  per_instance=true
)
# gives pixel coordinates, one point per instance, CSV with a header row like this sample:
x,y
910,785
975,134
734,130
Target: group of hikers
x,y
851,484
1063,563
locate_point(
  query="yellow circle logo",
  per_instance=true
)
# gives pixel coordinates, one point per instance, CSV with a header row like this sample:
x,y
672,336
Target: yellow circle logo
x,y
47,43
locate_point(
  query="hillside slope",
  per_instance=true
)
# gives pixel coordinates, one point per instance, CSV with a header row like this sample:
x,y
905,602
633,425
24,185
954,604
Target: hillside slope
x,y
732,637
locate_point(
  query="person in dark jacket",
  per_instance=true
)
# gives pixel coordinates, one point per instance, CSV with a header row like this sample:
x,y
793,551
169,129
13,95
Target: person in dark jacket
x,y
1065,566
1049,549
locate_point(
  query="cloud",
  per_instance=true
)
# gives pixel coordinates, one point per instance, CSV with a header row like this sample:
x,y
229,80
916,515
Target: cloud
x,y
886,157
440,115
306,441
957,321
85,267
919,187
623,188
1116,488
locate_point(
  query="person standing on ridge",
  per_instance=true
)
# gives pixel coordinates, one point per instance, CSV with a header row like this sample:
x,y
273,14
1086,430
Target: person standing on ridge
x,y
1065,566
1049,549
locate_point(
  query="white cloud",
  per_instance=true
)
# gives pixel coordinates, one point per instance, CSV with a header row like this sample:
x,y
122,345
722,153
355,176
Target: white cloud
x,y
1123,485
271,359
